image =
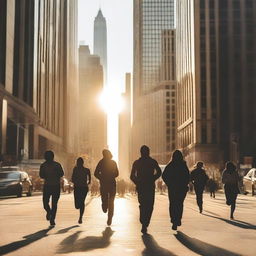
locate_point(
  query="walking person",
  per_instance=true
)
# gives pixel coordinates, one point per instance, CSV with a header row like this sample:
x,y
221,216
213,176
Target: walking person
x,y
51,172
199,179
106,172
81,178
176,177
230,180
145,171
212,187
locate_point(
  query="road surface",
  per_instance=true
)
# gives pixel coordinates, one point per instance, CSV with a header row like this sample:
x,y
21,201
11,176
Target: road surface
x,y
24,230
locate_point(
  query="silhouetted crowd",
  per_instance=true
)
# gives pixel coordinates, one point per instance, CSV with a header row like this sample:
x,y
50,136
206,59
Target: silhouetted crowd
x,y
146,177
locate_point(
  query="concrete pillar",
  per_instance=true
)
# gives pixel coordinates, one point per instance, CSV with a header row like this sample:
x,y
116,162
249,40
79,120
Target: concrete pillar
x,y
3,110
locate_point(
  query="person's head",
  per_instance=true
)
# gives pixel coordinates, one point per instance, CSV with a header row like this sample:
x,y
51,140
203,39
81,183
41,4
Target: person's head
x,y
107,154
199,165
230,167
177,156
144,151
49,155
79,162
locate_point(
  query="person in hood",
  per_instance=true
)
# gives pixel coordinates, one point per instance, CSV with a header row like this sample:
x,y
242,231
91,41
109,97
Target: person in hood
x,y
51,172
107,172
145,171
199,179
176,177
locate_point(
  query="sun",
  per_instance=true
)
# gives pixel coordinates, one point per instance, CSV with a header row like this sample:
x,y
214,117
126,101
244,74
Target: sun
x,y
112,104
111,101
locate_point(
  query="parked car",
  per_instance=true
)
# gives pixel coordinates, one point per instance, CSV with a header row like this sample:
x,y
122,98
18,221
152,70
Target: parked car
x,y
249,182
15,182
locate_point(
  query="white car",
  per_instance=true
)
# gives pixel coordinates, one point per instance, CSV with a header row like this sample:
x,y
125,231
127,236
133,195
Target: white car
x,y
249,181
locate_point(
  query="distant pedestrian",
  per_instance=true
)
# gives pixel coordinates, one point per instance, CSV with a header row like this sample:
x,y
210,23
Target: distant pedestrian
x,y
145,171
212,187
106,171
51,172
81,178
199,179
176,177
230,180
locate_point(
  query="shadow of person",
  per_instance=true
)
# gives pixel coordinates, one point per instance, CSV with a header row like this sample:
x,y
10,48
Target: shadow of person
x,y
152,248
65,230
237,223
73,244
21,243
202,248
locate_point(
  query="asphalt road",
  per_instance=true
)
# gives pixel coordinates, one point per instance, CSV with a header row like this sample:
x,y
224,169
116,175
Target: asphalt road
x,y
24,230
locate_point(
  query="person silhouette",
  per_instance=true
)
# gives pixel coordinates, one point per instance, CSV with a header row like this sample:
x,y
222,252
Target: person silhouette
x,y
145,171
51,172
176,177
230,180
81,177
199,179
106,172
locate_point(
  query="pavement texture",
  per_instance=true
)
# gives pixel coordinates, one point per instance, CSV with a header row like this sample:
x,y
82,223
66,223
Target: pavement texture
x,y
24,230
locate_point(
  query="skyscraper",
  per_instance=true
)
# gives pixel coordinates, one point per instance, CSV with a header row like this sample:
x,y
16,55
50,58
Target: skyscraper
x,y
100,41
154,78
216,80
38,79
93,128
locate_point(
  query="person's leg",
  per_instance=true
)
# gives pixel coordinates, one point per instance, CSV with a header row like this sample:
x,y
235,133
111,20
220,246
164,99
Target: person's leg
x,y
111,199
181,198
104,198
46,199
76,197
199,199
142,207
82,205
233,206
55,199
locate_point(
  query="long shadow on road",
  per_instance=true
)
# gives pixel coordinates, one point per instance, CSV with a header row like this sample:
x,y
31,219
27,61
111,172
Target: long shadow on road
x,y
22,243
237,223
201,247
73,244
152,248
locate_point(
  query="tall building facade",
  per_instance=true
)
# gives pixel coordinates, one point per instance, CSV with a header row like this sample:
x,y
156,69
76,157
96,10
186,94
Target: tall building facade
x,y
154,85
39,79
216,80
124,155
93,120
100,41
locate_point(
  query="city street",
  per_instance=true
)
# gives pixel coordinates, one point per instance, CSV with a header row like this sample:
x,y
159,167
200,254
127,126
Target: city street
x,y
24,230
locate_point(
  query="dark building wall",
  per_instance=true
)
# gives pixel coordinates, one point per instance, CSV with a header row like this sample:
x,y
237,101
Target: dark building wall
x,y
3,5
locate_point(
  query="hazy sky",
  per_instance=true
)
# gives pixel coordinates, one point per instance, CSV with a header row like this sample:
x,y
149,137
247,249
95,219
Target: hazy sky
x,y
119,17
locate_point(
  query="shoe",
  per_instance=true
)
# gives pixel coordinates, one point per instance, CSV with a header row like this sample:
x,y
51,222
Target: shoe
x,y
174,226
144,229
201,209
104,208
52,222
109,222
232,217
80,221
48,215
179,223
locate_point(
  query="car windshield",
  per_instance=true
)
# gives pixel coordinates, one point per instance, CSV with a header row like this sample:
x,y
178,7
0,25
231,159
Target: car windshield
x,y
10,175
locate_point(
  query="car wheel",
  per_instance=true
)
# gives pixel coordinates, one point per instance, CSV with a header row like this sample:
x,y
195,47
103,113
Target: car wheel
x,y
29,192
19,194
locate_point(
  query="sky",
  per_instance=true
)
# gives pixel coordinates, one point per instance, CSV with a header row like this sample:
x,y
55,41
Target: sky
x,y
119,18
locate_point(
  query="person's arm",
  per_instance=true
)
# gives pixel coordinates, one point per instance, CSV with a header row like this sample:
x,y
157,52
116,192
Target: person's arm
x,y
165,175
158,171
97,172
116,172
224,178
89,177
192,177
187,176
42,172
133,175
